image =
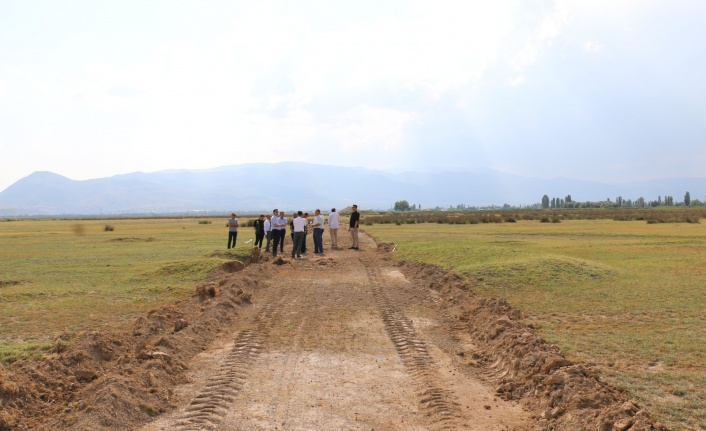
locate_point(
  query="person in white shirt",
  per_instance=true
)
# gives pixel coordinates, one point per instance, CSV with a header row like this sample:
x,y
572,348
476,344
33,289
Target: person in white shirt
x,y
232,230
318,226
268,233
298,224
333,227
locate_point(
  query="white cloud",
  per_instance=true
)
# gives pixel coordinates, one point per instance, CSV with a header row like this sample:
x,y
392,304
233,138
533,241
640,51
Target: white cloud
x,y
593,48
369,129
234,82
517,81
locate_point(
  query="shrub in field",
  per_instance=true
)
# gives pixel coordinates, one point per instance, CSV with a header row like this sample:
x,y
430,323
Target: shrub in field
x,y
108,228
204,221
544,220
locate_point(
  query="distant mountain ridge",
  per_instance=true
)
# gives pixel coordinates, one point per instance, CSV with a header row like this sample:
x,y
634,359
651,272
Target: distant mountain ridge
x,y
292,185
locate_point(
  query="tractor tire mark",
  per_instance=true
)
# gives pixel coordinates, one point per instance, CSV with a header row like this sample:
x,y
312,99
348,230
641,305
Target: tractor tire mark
x,y
438,403
207,410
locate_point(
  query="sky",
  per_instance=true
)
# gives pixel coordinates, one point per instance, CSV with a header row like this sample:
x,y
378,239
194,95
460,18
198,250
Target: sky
x,y
604,90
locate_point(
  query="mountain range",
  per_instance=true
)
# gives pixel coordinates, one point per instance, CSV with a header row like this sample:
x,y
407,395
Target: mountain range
x,y
293,185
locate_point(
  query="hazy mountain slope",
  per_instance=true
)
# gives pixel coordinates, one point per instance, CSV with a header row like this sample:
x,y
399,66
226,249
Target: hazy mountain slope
x,y
261,187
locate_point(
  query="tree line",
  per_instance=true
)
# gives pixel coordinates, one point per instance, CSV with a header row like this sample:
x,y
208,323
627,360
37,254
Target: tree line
x,y
567,202
619,202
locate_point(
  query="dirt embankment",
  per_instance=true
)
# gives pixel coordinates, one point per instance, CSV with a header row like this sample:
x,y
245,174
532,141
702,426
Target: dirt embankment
x,y
353,326
115,380
565,396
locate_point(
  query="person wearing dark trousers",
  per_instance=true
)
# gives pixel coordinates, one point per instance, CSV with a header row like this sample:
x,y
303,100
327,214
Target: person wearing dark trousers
x,y
278,228
232,230
259,226
283,231
298,226
318,226
291,227
306,232
353,227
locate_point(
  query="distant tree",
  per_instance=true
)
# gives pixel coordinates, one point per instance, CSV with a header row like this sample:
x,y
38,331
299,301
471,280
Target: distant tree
x,y
641,202
545,201
401,206
567,198
687,199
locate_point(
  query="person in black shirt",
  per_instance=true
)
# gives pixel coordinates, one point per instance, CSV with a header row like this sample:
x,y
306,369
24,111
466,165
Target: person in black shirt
x,y
353,227
259,226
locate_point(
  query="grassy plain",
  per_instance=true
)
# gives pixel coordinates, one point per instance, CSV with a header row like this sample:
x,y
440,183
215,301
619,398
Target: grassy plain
x,y
65,276
626,296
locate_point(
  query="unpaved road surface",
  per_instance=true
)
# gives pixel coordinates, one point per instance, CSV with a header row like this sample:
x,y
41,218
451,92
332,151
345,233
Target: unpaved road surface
x,y
339,342
348,340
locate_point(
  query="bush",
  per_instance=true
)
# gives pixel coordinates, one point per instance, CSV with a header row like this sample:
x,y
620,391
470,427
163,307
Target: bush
x,y
108,228
204,221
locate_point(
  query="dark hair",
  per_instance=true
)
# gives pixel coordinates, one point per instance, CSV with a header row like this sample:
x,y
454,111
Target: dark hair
x,y
299,213
333,210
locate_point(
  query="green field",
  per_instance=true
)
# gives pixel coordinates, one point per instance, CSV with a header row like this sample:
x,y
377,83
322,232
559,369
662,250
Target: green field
x,y
65,276
627,296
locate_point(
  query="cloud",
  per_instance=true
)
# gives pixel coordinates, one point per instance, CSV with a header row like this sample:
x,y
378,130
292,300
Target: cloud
x,y
540,87
517,81
369,130
594,48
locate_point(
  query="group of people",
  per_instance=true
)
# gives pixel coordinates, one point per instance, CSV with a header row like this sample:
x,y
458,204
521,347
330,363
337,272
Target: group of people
x,y
273,229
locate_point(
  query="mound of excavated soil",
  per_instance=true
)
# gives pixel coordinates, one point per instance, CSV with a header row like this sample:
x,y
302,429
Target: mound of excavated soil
x,y
568,396
116,379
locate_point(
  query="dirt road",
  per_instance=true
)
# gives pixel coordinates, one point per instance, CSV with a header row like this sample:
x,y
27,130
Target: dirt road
x,y
350,340
338,342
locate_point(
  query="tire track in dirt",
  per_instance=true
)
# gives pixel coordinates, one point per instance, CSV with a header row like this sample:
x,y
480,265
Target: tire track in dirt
x,y
207,410
439,403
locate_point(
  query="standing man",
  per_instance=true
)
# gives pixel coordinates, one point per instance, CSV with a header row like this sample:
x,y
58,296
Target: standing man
x,y
306,232
278,226
318,226
298,226
333,227
282,230
268,233
259,226
232,230
353,227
